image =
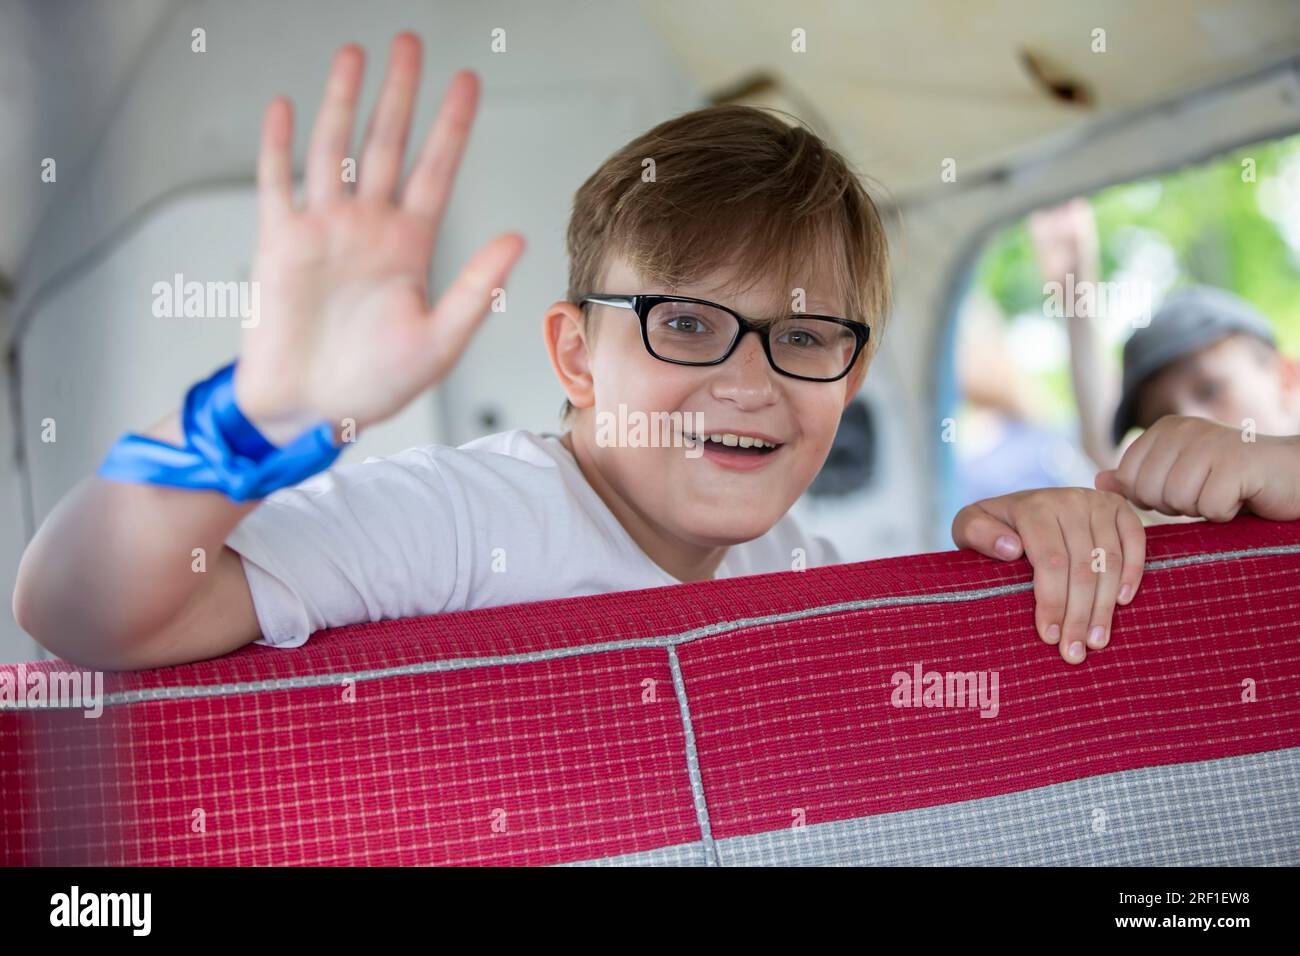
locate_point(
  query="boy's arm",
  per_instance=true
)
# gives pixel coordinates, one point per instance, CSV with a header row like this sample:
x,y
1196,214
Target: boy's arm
x,y
110,580
344,332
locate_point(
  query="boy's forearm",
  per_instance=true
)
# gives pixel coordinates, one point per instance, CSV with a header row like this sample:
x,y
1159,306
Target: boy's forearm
x,y
115,562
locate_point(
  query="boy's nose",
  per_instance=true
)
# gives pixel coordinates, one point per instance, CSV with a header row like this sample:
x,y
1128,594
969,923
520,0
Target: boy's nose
x,y
746,373
749,352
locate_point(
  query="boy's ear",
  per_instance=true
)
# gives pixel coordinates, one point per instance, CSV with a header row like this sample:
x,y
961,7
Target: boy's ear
x,y
566,341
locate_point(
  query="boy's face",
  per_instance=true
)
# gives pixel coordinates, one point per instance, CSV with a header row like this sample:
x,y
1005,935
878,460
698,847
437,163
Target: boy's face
x,y
1236,378
710,497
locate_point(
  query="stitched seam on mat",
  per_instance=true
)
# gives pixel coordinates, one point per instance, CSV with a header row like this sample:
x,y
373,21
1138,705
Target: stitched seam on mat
x,y
693,760
669,640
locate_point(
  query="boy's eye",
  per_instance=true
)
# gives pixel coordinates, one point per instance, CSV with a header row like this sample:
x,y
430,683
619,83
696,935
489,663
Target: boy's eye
x,y
801,339
686,324
804,334
689,332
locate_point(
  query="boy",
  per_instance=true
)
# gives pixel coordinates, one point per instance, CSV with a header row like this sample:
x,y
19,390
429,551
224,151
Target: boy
x,y
1208,354
1219,404
744,217
1205,353
1220,409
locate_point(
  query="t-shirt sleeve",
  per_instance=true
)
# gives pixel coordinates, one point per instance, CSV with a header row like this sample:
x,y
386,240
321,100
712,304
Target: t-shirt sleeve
x,y
369,541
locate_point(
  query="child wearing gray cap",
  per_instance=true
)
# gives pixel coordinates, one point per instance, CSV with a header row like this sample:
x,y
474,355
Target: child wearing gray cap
x,y
1210,354
1218,403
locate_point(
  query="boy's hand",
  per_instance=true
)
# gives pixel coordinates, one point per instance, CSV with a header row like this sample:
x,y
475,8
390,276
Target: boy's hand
x,y
1087,549
1192,466
345,329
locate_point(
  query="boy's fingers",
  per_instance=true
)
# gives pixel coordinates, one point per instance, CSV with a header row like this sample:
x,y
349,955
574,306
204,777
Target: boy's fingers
x,y
457,314
1108,560
1151,489
430,181
1077,531
1219,498
1045,547
275,162
331,134
1133,540
1187,476
1126,472
381,163
1108,480
978,530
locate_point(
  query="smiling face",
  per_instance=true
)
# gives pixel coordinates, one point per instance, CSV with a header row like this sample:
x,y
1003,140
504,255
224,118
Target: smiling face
x,y
1236,378
720,496
730,204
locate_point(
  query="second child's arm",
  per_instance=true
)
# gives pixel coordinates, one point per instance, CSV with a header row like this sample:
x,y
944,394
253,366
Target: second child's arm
x,y
1065,243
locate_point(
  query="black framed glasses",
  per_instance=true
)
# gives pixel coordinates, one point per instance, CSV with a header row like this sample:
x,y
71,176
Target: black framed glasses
x,y
686,331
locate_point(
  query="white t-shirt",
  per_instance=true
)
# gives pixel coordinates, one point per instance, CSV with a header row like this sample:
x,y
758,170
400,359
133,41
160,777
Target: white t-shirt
x,y
418,532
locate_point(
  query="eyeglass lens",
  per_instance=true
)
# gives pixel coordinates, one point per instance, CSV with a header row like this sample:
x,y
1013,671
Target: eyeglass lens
x,y
801,345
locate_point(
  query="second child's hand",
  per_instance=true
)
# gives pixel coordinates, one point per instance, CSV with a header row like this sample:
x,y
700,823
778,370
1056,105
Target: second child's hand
x,y
345,329
1183,465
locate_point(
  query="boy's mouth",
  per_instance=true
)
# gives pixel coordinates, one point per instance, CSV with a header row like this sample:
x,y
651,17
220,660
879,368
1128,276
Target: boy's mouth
x,y
725,447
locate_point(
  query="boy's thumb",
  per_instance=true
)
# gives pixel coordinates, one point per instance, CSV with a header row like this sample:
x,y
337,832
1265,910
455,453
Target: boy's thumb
x,y
1108,480
980,531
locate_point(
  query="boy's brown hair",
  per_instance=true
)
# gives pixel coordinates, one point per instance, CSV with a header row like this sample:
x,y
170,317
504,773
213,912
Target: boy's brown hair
x,y
732,185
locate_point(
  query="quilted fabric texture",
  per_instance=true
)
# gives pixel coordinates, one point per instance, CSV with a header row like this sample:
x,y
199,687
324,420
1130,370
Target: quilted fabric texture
x,y
899,711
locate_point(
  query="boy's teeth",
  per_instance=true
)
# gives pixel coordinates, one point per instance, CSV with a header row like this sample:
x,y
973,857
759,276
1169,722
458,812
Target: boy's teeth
x,y
743,441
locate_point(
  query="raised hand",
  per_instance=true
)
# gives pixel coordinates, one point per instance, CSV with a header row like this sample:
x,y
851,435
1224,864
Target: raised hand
x,y
345,328
1065,241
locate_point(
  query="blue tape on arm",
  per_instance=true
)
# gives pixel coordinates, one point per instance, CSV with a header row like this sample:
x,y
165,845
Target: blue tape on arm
x,y
223,450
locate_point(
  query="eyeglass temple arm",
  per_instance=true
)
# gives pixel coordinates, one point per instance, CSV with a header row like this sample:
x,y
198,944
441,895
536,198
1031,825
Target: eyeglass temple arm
x,y
618,301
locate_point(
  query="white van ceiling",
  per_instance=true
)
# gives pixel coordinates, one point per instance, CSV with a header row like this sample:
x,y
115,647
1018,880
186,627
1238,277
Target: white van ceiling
x,y
900,87
903,86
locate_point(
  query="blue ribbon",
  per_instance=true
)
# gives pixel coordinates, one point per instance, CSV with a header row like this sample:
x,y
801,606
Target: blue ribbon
x,y
223,450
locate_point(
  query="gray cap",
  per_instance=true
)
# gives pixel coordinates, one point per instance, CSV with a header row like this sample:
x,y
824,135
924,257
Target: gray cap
x,y
1186,322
